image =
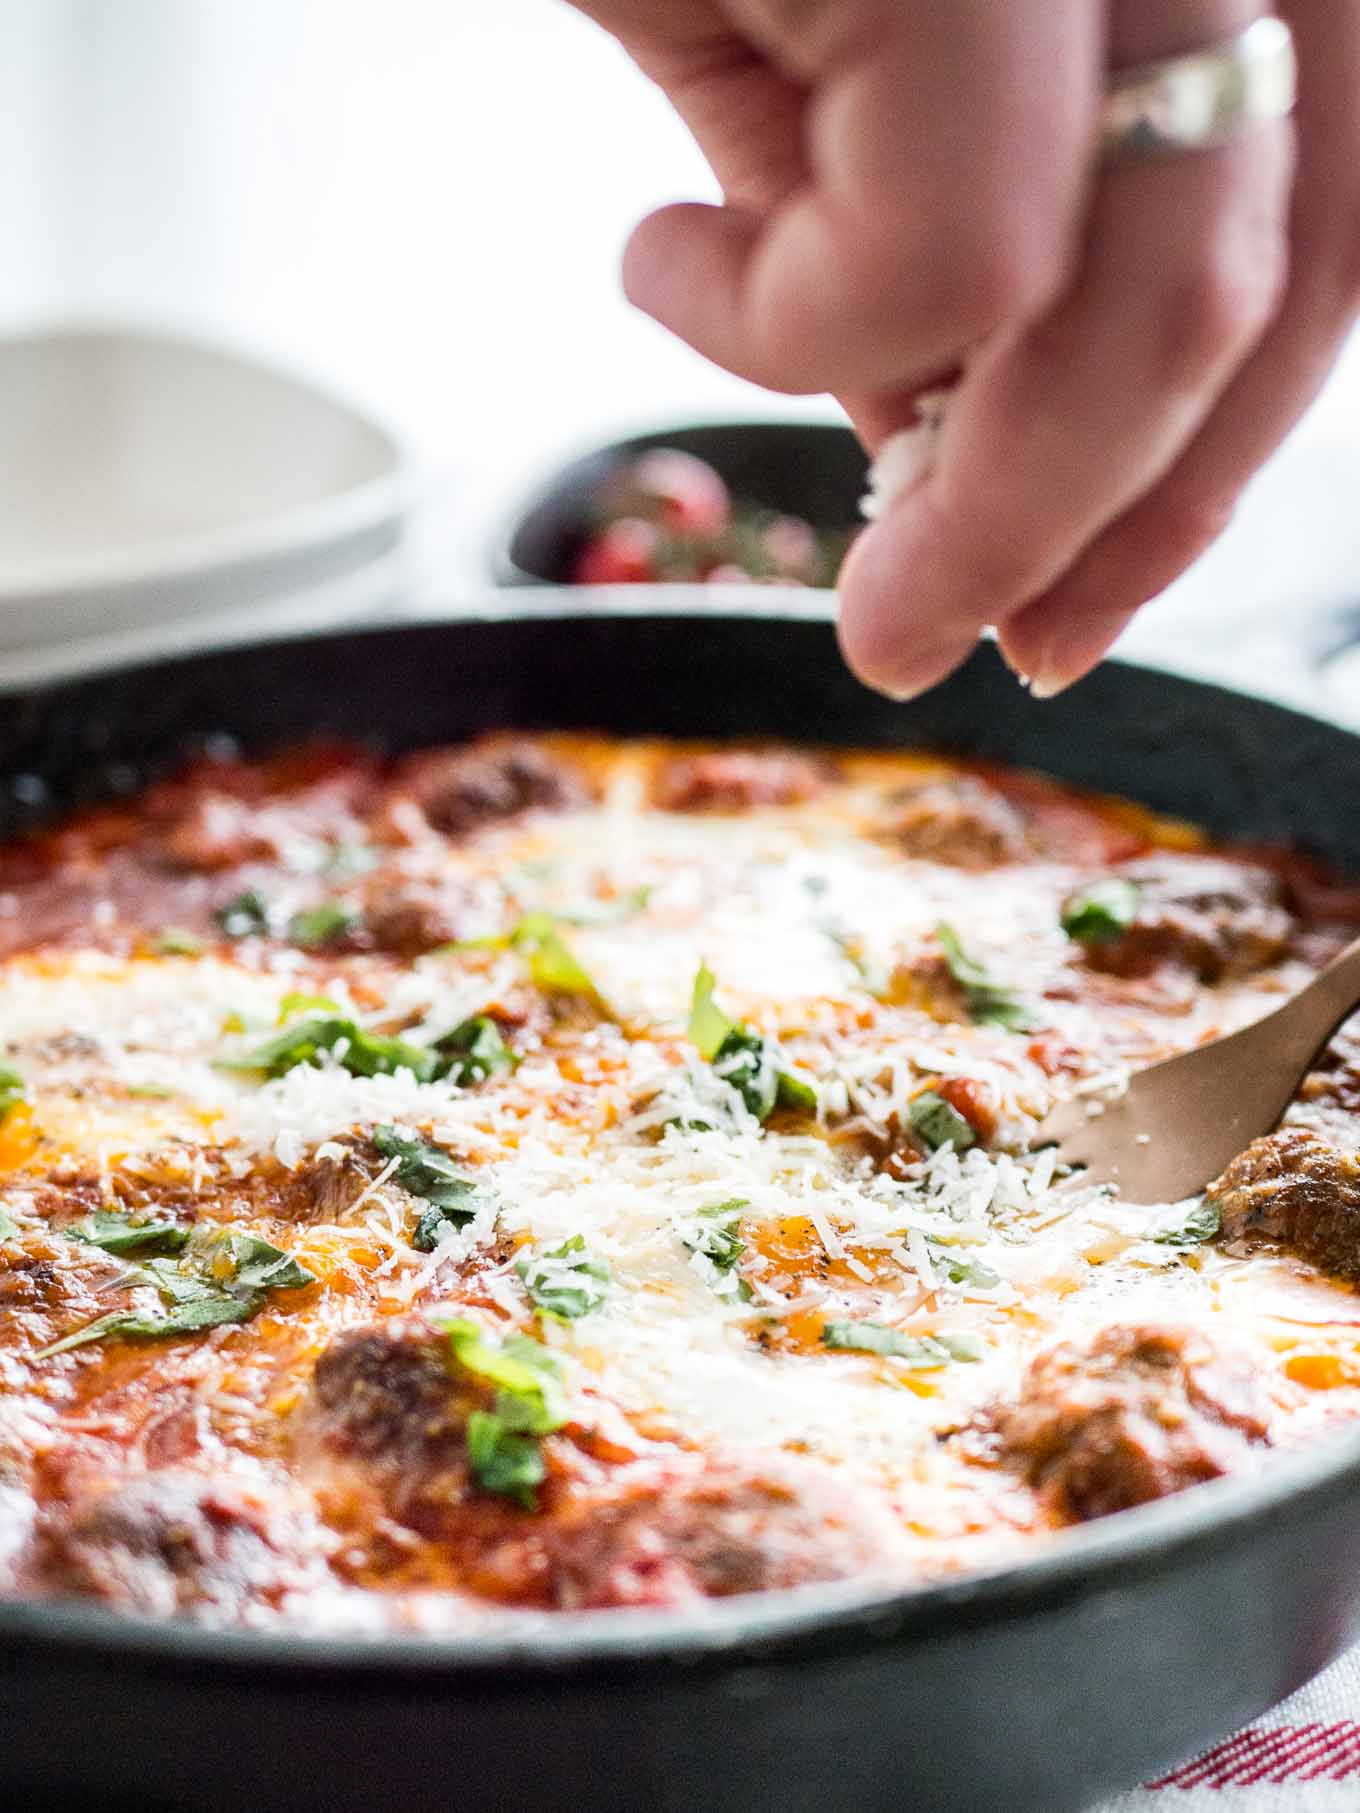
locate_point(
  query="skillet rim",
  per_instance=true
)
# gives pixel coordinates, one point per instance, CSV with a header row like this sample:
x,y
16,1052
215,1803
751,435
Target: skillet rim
x,y
632,1648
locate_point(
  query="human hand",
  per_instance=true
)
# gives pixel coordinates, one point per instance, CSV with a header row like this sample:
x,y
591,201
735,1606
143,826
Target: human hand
x,y
911,190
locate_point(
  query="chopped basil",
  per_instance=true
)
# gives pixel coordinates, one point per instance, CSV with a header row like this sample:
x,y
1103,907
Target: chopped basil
x,y
1201,1224
474,1051
939,1124
247,916
1101,911
11,1087
426,1170
921,1352
9,1227
504,1443
989,1002
552,965
174,942
716,1235
745,1058
958,1267
565,1281
222,1275
115,1232
321,925
360,1052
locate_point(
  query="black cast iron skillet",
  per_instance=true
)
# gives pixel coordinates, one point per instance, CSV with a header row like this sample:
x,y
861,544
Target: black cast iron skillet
x,y
1115,1653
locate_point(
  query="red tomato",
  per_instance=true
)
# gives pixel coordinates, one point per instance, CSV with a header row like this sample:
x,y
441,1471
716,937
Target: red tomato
x,y
684,495
624,553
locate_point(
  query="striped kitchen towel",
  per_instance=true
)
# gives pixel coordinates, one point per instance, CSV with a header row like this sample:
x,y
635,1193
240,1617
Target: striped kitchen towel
x,y
1301,1757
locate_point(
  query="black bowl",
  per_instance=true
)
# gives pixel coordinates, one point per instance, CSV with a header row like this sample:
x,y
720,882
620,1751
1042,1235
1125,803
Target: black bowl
x,y
810,469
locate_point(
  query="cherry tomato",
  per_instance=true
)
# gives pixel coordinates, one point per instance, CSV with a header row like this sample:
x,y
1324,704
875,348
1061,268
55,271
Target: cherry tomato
x,y
623,553
681,494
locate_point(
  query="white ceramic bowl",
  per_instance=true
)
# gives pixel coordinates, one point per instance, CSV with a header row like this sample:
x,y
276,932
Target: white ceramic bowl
x,y
150,481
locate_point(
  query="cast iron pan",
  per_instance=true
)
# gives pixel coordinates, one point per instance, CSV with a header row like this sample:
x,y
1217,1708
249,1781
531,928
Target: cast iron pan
x,y
1112,1655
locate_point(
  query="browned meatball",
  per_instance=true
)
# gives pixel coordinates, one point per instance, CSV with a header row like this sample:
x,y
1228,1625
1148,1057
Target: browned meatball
x,y
1132,1414
173,1542
409,913
736,780
386,1399
1296,1187
461,790
1217,918
959,822
705,1528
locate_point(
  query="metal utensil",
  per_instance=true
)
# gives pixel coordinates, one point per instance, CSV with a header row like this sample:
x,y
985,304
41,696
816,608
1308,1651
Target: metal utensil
x,y
1180,1122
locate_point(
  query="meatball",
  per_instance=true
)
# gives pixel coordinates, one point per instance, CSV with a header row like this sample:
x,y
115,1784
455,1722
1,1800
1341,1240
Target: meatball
x,y
736,780
1217,918
408,914
1130,1415
385,1400
461,790
710,1529
1295,1187
959,822
173,1542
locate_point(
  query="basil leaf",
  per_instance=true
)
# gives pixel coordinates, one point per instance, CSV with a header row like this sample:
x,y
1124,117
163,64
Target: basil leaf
x,y
321,925
245,917
958,1267
9,1227
552,965
1201,1224
11,1087
474,1051
529,1396
565,1281
939,1124
222,1275
140,1325
989,1002
174,942
117,1233
360,1052
709,1026
921,1352
1101,911
426,1170
717,1238
745,1058
503,1461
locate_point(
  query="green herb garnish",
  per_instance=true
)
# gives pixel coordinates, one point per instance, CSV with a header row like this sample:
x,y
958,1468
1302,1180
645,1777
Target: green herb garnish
x,y
989,1002
716,1235
221,1275
175,942
958,1267
1102,911
355,1049
921,1352
505,1443
939,1124
474,1051
426,1170
565,1281
11,1087
9,1227
551,963
247,916
117,1233
745,1058
321,925
1201,1224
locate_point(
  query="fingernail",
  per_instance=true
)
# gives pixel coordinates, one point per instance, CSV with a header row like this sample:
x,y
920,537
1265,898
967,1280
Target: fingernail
x,y
1047,685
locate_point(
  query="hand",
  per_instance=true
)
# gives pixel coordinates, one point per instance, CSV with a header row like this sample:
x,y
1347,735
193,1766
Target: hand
x,y
911,191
